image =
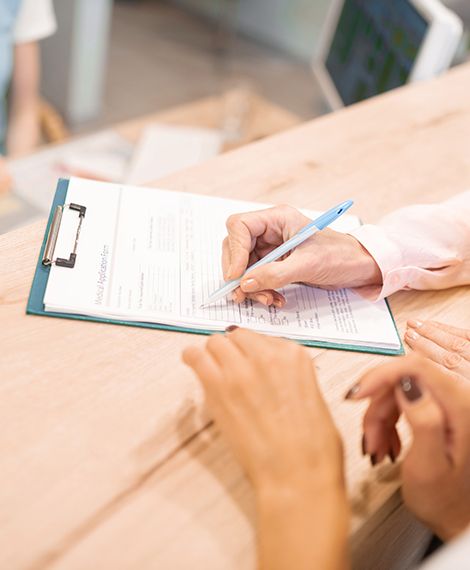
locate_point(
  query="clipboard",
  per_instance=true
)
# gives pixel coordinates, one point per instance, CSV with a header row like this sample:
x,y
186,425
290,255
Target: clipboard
x,y
46,259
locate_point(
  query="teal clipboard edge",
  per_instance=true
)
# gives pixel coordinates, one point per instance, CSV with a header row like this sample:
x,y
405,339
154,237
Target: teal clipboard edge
x,y
35,304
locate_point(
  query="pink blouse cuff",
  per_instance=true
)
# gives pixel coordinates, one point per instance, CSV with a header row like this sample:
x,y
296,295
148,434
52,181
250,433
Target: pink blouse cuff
x,y
388,257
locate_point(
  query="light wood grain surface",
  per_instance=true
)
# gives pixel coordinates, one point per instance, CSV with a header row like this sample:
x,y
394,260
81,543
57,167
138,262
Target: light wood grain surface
x,y
108,459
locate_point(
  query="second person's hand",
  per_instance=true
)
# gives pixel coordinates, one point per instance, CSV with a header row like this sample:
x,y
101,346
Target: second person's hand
x,y
446,345
328,259
263,394
436,469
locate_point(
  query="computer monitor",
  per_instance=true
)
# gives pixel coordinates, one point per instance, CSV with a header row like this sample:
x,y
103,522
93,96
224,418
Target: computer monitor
x,y
372,46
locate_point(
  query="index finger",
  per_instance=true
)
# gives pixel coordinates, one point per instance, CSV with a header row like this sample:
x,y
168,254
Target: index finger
x,y
387,376
445,339
203,364
463,333
254,345
243,229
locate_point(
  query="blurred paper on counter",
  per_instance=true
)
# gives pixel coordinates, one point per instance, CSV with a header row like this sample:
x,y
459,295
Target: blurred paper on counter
x,y
164,149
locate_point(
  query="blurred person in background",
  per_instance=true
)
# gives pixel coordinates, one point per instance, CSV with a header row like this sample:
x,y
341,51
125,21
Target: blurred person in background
x,y
22,24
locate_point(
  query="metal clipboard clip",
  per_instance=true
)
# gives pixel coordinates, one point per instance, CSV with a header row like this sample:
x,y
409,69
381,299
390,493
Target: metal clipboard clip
x,y
48,257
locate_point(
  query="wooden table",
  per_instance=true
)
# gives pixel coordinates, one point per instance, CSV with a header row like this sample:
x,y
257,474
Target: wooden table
x,y
107,457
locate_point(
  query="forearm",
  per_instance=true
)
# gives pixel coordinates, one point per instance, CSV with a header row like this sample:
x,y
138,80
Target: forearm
x,y
420,247
23,127
23,130
302,527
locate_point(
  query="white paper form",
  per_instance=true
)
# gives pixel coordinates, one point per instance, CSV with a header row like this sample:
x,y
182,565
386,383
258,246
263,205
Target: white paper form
x,y
155,256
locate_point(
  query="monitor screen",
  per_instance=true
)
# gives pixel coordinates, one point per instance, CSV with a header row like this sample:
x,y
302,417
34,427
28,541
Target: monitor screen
x,y
374,47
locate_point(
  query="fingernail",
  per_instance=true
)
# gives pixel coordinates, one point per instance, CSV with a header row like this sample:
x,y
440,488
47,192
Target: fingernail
x,y
278,303
364,445
249,286
391,454
352,391
415,324
413,335
261,298
373,459
231,328
410,388
228,273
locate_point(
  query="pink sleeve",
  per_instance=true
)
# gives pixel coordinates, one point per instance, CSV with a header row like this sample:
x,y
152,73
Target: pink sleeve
x,y
420,247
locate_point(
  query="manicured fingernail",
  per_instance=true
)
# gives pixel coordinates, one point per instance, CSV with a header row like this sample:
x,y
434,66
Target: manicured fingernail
x,y
249,286
352,391
364,445
410,388
231,328
415,324
373,459
413,335
391,454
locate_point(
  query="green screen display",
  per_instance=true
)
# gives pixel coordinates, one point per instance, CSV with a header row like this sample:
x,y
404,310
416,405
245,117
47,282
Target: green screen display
x,y
374,47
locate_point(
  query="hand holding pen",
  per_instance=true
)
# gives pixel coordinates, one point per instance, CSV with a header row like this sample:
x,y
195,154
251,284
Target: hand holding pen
x,y
328,259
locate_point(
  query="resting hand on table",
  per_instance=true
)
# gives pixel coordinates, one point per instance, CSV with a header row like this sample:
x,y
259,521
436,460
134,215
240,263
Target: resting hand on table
x,y
263,394
446,345
328,259
436,469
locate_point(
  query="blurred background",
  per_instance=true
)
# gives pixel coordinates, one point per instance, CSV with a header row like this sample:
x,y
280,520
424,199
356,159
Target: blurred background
x,y
200,75
152,54
157,53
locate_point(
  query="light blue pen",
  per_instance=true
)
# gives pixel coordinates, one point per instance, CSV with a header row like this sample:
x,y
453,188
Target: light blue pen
x,y
312,228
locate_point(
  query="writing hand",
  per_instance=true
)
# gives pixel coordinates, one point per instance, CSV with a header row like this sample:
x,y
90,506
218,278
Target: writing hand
x,y
328,259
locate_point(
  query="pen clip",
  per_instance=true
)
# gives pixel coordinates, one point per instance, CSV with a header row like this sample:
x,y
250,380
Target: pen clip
x,y
333,214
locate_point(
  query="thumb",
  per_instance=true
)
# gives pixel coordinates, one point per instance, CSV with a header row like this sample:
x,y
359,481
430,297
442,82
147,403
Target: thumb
x,y
428,453
271,276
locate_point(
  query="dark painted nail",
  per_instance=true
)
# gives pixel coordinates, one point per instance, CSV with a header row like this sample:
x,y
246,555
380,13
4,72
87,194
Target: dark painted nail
x,y
363,444
231,328
373,459
410,388
392,456
352,391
